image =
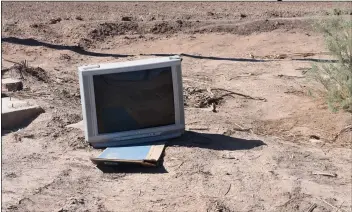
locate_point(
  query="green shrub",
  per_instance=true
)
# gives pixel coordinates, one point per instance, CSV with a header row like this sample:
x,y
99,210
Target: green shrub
x,y
336,77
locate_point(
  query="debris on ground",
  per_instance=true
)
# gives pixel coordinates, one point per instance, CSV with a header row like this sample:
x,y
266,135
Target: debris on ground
x,y
126,18
21,70
55,20
210,97
325,174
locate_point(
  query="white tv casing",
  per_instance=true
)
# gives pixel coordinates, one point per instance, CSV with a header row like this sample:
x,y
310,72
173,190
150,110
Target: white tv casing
x,y
97,140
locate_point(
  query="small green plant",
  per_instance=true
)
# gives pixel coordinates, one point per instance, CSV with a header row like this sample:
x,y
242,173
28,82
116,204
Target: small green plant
x,y
336,76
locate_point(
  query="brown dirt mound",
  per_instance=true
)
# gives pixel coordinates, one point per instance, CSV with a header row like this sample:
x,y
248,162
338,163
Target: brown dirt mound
x,y
167,27
256,26
98,32
109,29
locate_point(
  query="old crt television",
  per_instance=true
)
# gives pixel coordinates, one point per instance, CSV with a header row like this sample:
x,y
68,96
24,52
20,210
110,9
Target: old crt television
x,y
132,102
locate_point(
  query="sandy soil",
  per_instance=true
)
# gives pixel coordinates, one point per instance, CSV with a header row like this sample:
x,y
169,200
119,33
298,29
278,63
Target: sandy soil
x,y
255,153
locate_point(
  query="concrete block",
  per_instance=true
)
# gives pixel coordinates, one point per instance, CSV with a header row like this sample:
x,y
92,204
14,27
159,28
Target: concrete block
x,y
17,113
9,84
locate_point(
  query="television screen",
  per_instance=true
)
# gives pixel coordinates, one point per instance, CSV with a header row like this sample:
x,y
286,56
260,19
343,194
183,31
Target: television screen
x,y
134,100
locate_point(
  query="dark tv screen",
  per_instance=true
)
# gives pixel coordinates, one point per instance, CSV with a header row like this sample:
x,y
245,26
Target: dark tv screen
x,y
134,100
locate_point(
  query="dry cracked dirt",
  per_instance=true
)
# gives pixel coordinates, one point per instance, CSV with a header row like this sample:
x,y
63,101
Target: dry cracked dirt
x,y
271,145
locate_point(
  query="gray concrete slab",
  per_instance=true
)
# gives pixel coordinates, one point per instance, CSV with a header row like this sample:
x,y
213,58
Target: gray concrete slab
x,y
17,113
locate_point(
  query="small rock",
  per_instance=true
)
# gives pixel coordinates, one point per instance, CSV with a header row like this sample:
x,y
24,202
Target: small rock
x,y
315,141
11,175
228,133
210,13
65,57
243,15
278,23
179,22
55,20
314,137
34,25
79,18
126,18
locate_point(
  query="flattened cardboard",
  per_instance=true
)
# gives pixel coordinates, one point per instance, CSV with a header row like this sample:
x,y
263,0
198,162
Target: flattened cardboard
x,y
147,155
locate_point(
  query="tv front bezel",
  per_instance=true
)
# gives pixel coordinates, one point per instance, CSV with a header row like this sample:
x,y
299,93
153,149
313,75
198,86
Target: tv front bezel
x,y
92,136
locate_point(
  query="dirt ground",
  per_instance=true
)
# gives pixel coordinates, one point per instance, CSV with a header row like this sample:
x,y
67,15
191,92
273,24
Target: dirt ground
x,y
260,151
